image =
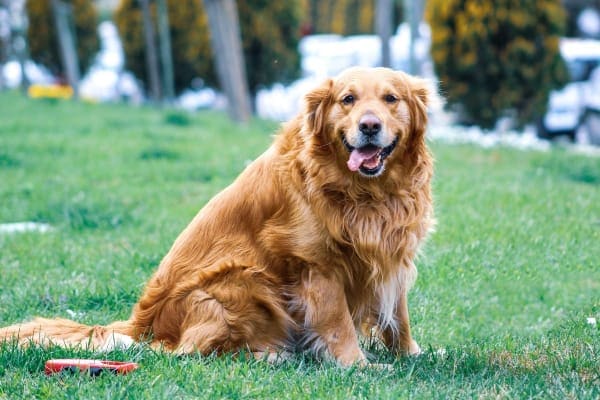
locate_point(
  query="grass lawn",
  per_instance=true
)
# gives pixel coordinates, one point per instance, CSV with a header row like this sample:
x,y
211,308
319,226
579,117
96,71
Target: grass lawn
x,y
500,306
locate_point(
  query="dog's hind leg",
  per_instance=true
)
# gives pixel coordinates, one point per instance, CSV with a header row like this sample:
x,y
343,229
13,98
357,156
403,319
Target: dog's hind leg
x,y
205,328
238,311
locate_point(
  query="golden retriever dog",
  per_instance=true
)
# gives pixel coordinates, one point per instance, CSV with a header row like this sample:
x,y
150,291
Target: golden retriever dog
x,y
313,244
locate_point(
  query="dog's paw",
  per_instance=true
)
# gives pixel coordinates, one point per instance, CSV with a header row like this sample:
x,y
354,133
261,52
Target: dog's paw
x,y
353,358
414,349
272,357
116,341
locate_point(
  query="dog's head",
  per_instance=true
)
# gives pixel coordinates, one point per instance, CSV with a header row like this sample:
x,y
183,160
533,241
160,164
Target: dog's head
x,y
366,115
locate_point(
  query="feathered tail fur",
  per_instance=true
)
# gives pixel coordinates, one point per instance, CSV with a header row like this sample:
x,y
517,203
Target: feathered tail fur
x,y
67,333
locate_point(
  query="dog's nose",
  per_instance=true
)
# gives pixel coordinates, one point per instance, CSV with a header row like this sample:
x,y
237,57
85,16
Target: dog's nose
x,y
369,125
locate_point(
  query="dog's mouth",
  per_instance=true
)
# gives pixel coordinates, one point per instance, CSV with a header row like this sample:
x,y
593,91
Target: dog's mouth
x,y
368,160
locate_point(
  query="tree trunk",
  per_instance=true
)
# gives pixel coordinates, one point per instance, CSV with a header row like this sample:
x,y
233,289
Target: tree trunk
x,y
151,57
413,13
384,19
5,42
166,57
66,42
229,59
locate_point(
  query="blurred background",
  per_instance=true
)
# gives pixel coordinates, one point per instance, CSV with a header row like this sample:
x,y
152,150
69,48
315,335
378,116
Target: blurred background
x,y
523,69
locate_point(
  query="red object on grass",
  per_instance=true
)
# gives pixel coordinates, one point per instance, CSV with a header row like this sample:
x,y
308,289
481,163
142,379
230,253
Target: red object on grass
x,y
93,367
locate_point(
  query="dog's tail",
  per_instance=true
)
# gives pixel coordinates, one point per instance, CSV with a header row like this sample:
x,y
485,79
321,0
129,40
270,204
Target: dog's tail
x,y
67,333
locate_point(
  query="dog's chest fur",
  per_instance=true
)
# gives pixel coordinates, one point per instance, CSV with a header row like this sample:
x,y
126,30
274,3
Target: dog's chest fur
x,y
365,245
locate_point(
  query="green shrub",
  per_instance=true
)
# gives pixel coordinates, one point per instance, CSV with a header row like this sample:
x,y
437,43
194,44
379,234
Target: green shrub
x,y
269,30
493,56
42,37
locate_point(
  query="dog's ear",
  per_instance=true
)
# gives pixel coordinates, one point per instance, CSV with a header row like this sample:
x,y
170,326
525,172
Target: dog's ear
x,y
420,89
317,102
419,99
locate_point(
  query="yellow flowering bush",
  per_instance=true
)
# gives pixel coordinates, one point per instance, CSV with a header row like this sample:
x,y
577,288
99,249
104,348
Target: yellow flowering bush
x,y
497,55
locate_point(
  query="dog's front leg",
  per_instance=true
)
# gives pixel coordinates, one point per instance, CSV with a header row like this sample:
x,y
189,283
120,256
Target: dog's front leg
x,y
398,338
327,318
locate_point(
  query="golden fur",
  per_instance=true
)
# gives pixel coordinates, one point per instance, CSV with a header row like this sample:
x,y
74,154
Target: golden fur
x,y
313,242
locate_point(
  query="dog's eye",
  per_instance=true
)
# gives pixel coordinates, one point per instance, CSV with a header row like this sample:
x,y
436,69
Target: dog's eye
x,y
390,98
348,100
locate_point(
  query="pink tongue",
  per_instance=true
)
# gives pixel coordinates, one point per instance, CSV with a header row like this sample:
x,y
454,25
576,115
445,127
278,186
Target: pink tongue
x,y
359,156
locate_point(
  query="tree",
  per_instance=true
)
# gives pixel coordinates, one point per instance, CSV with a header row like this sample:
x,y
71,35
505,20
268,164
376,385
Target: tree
x,y
42,36
66,43
166,54
270,49
270,34
152,66
493,56
383,26
345,17
190,43
227,50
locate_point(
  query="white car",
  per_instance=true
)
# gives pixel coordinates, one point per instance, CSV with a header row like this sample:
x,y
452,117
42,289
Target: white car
x,y
574,110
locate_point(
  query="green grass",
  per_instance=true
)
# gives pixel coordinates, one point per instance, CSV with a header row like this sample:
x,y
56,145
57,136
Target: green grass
x,y
505,284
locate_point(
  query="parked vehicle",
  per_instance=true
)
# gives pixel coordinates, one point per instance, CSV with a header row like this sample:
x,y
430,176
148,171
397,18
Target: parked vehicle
x,y
574,111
